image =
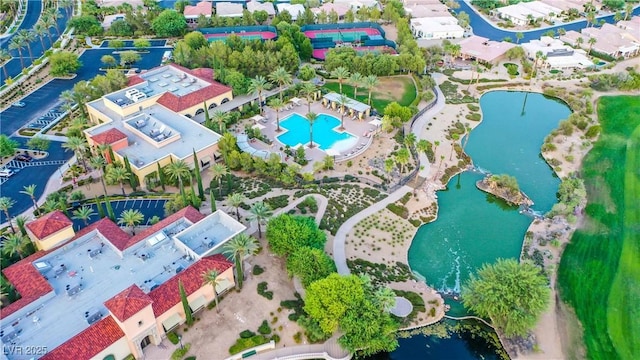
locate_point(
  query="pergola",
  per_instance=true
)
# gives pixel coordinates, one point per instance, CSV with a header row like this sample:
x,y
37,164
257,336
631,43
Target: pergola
x,y
355,108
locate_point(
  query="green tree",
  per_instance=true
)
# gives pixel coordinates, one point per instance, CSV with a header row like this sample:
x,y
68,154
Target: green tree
x,y
394,109
235,200
132,218
311,118
177,172
341,73
370,83
108,60
402,158
195,40
141,43
78,145
259,212
281,77
63,63
218,171
286,233
237,248
308,90
259,85
15,245
129,57
196,171
185,304
310,264
21,221
8,146
356,79
211,278
277,105
30,191
83,213
519,37
99,163
169,24
7,203
85,24
117,175
116,44
220,117
512,295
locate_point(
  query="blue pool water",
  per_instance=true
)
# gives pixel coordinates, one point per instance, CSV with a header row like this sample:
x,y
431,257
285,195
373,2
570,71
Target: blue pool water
x,y
325,136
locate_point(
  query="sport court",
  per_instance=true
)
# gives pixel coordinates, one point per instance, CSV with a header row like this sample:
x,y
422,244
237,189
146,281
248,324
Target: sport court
x,y
244,35
342,35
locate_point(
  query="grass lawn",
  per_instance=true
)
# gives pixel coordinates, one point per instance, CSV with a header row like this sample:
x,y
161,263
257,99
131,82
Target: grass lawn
x,y
391,88
599,273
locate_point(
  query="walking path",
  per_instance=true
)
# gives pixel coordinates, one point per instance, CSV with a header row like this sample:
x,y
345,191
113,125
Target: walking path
x,y
329,350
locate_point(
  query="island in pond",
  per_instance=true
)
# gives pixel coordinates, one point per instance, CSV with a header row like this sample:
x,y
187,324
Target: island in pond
x,y
505,187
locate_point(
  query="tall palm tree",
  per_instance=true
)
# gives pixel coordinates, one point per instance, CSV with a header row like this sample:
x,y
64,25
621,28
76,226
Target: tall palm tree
x,y
402,158
282,78
356,79
258,86
235,200
370,83
48,22
308,90
132,218
409,140
220,117
4,57
67,5
311,117
237,248
422,146
259,212
591,42
341,73
118,175
579,42
344,99
277,105
30,190
98,162
16,43
27,36
628,10
14,244
178,170
54,16
218,171
84,213
78,145
211,278
39,31
7,203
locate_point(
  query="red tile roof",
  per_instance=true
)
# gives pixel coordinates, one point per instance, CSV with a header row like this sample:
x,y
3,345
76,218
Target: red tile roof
x,y
49,224
134,80
109,137
128,302
167,295
201,8
89,342
28,282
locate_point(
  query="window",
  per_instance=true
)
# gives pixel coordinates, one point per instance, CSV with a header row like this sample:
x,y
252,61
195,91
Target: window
x,y
109,357
140,323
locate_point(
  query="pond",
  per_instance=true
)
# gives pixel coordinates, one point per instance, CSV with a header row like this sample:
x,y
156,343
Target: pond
x,y
473,227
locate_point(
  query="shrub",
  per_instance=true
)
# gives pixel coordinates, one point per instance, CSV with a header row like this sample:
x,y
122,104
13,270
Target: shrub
x,y
473,117
264,328
592,131
180,352
275,338
246,334
262,290
257,270
399,210
173,337
243,344
297,337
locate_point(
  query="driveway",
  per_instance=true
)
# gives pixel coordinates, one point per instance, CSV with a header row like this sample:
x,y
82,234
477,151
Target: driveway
x,y
482,27
40,101
13,66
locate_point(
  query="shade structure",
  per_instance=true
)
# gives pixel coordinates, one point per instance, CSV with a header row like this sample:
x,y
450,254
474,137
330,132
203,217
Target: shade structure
x,y
375,122
171,322
295,100
258,126
332,152
257,118
198,303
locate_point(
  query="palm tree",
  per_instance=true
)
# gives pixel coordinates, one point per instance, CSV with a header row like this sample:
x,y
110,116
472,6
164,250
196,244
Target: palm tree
x,y
311,117
237,248
308,90
30,190
48,22
67,5
409,140
7,203
99,163
132,218
258,86
282,78
27,36
78,145
118,175
84,213
16,43
422,146
218,171
579,42
260,212
14,244
277,105
211,278
402,158
389,164
356,80
370,82
343,101
628,10
54,16
178,170
235,200
220,117
4,57
519,37
40,31
341,73
592,42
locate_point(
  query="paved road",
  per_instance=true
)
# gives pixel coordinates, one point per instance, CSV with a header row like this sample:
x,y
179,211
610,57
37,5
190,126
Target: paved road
x,y
13,66
41,100
482,27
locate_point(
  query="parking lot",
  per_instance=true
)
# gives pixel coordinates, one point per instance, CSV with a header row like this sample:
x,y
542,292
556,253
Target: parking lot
x,y
148,207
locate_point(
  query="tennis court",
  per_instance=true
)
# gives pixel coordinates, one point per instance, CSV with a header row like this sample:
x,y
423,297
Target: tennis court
x,y
245,35
337,35
321,54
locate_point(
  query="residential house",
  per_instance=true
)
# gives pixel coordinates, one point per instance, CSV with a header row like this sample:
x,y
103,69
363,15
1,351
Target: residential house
x,y
484,50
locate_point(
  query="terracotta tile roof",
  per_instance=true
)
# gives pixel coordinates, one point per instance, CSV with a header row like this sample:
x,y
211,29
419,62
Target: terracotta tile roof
x,y
108,229
201,8
189,213
167,295
128,302
89,342
49,224
28,282
109,137
134,80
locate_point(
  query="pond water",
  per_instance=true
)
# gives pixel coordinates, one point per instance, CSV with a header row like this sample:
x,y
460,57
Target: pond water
x,y
475,228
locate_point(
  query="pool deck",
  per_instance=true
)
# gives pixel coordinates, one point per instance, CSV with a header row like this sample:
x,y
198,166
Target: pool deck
x,y
358,128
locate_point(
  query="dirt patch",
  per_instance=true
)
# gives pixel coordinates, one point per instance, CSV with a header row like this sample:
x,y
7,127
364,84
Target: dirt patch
x,y
391,88
570,331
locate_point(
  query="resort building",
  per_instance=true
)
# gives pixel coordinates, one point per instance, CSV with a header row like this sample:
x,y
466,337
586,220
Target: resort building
x,y
436,28
105,294
149,124
193,12
484,50
254,6
294,10
525,12
50,230
558,55
609,39
229,9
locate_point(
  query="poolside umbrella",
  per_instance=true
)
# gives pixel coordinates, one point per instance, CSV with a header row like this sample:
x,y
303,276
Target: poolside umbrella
x,y
332,152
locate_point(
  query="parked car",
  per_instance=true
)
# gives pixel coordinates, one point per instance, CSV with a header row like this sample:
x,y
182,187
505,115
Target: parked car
x,y
6,172
19,104
24,158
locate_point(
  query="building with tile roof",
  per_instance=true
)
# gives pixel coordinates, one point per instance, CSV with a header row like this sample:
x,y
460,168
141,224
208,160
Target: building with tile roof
x,y
484,50
149,123
123,290
616,41
50,230
193,12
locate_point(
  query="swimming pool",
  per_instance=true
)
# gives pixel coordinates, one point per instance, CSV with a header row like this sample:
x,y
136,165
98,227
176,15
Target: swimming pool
x,y
324,134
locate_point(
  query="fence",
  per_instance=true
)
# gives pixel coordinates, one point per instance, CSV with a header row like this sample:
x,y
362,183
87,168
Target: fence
x,y
344,26
426,108
239,29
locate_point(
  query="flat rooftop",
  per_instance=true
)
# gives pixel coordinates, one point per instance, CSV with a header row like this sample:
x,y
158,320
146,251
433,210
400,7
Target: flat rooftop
x,y
154,133
82,275
157,82
207,235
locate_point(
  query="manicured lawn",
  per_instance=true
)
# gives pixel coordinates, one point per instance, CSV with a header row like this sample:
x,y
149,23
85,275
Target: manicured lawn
x,y
392,88
599,273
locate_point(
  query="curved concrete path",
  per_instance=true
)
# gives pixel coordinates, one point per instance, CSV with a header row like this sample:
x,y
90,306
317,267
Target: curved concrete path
x,y
329,350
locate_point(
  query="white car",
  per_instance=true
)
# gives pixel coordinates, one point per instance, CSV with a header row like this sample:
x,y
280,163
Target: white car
x,y
4,172
19,104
